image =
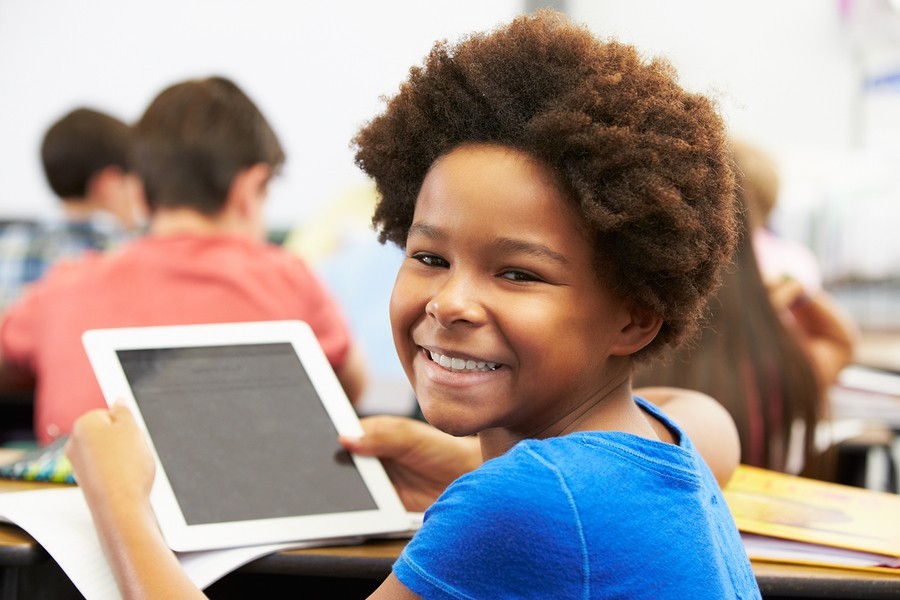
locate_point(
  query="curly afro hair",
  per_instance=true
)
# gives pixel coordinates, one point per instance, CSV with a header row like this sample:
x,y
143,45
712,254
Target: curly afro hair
x,y
646,162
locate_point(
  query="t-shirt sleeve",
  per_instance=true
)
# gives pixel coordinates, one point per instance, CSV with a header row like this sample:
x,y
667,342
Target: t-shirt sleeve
x,y
325,316
498,532
19,328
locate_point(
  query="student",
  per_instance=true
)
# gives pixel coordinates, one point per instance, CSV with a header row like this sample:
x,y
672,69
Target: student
x,y
344,251
565,208
205,155
791,272
84,157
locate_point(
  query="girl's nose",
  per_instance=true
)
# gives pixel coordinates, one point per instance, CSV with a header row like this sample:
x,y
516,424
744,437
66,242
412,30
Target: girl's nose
x,y
457,301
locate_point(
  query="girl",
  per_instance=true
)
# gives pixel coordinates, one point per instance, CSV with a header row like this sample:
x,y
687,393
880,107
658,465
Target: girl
x,y
565,208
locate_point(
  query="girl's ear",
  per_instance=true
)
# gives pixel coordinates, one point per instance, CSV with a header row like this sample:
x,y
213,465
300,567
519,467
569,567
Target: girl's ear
x,y
637,333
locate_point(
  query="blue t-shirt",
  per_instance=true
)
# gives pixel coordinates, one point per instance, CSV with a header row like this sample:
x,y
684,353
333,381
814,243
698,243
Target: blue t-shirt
x,y
598,514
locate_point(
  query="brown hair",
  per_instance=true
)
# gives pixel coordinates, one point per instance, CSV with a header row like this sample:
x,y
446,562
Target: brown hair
x,y
194,138
644,160
78,146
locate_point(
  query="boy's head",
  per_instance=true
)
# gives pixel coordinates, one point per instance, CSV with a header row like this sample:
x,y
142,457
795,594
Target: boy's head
x,y
192,141
645,162
78,147
85,157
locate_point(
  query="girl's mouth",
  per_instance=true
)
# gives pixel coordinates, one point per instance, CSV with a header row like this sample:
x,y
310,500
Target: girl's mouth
x,y
462,364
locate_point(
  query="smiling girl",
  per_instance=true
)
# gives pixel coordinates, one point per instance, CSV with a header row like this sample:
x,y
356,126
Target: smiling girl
x,y
565,208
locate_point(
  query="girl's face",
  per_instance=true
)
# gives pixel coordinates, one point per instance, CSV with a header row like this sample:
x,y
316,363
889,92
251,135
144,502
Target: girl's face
x,y
498,316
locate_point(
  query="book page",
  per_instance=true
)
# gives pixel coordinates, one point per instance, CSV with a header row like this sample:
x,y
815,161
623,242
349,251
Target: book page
x,y
763,547
60,521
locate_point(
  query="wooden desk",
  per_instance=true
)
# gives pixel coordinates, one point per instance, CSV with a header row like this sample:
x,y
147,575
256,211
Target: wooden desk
x,y
27,571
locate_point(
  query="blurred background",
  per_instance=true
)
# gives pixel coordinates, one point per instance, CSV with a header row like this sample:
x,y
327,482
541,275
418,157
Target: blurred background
x,y
816,83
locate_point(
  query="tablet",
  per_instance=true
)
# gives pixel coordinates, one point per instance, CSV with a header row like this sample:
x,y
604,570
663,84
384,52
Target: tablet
x,y
243,421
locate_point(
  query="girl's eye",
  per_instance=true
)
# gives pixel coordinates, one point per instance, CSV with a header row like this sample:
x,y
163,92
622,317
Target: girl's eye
x,y
514,275
430,260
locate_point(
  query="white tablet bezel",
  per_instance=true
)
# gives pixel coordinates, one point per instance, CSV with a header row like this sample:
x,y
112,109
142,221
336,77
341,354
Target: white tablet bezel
x,y
389,516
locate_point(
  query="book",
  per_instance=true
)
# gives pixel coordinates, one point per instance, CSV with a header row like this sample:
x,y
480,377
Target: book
x,y
790,519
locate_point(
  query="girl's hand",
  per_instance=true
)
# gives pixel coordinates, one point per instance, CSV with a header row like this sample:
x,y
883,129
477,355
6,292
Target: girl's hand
x,y
111,459
420,460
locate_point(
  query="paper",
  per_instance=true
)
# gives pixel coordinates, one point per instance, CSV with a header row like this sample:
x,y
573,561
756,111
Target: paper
x,y
763,547
60,521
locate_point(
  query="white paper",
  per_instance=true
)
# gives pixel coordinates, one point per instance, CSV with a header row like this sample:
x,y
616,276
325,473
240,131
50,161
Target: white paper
x,y
763,547
60,521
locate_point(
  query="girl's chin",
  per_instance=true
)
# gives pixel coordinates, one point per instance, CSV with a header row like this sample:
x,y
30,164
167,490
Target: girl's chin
x,y
448,424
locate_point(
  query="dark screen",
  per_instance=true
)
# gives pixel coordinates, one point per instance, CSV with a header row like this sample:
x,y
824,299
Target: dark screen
x,y
241,433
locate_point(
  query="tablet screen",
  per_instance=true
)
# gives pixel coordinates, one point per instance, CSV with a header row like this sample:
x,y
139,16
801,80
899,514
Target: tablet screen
x,y
242,433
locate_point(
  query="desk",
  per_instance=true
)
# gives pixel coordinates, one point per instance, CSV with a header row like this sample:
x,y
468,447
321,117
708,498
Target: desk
x,y
373,561
879,350
27,571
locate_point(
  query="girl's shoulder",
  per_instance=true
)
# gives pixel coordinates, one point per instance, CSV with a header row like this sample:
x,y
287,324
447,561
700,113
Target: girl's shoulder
x,y
561,467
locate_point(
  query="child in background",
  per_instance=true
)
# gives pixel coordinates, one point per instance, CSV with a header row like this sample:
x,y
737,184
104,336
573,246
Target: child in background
x,y
205,155
84,156
761,185
565,208
339,244
791,271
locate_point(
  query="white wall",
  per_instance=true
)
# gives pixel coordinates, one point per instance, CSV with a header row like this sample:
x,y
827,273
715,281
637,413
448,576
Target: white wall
x,y
780,70
316,69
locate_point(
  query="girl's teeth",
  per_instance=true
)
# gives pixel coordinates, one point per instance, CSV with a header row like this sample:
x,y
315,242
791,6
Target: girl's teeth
x,y
459,364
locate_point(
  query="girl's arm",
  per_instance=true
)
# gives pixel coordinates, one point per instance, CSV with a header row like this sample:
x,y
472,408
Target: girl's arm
x,y
823,328
114,469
